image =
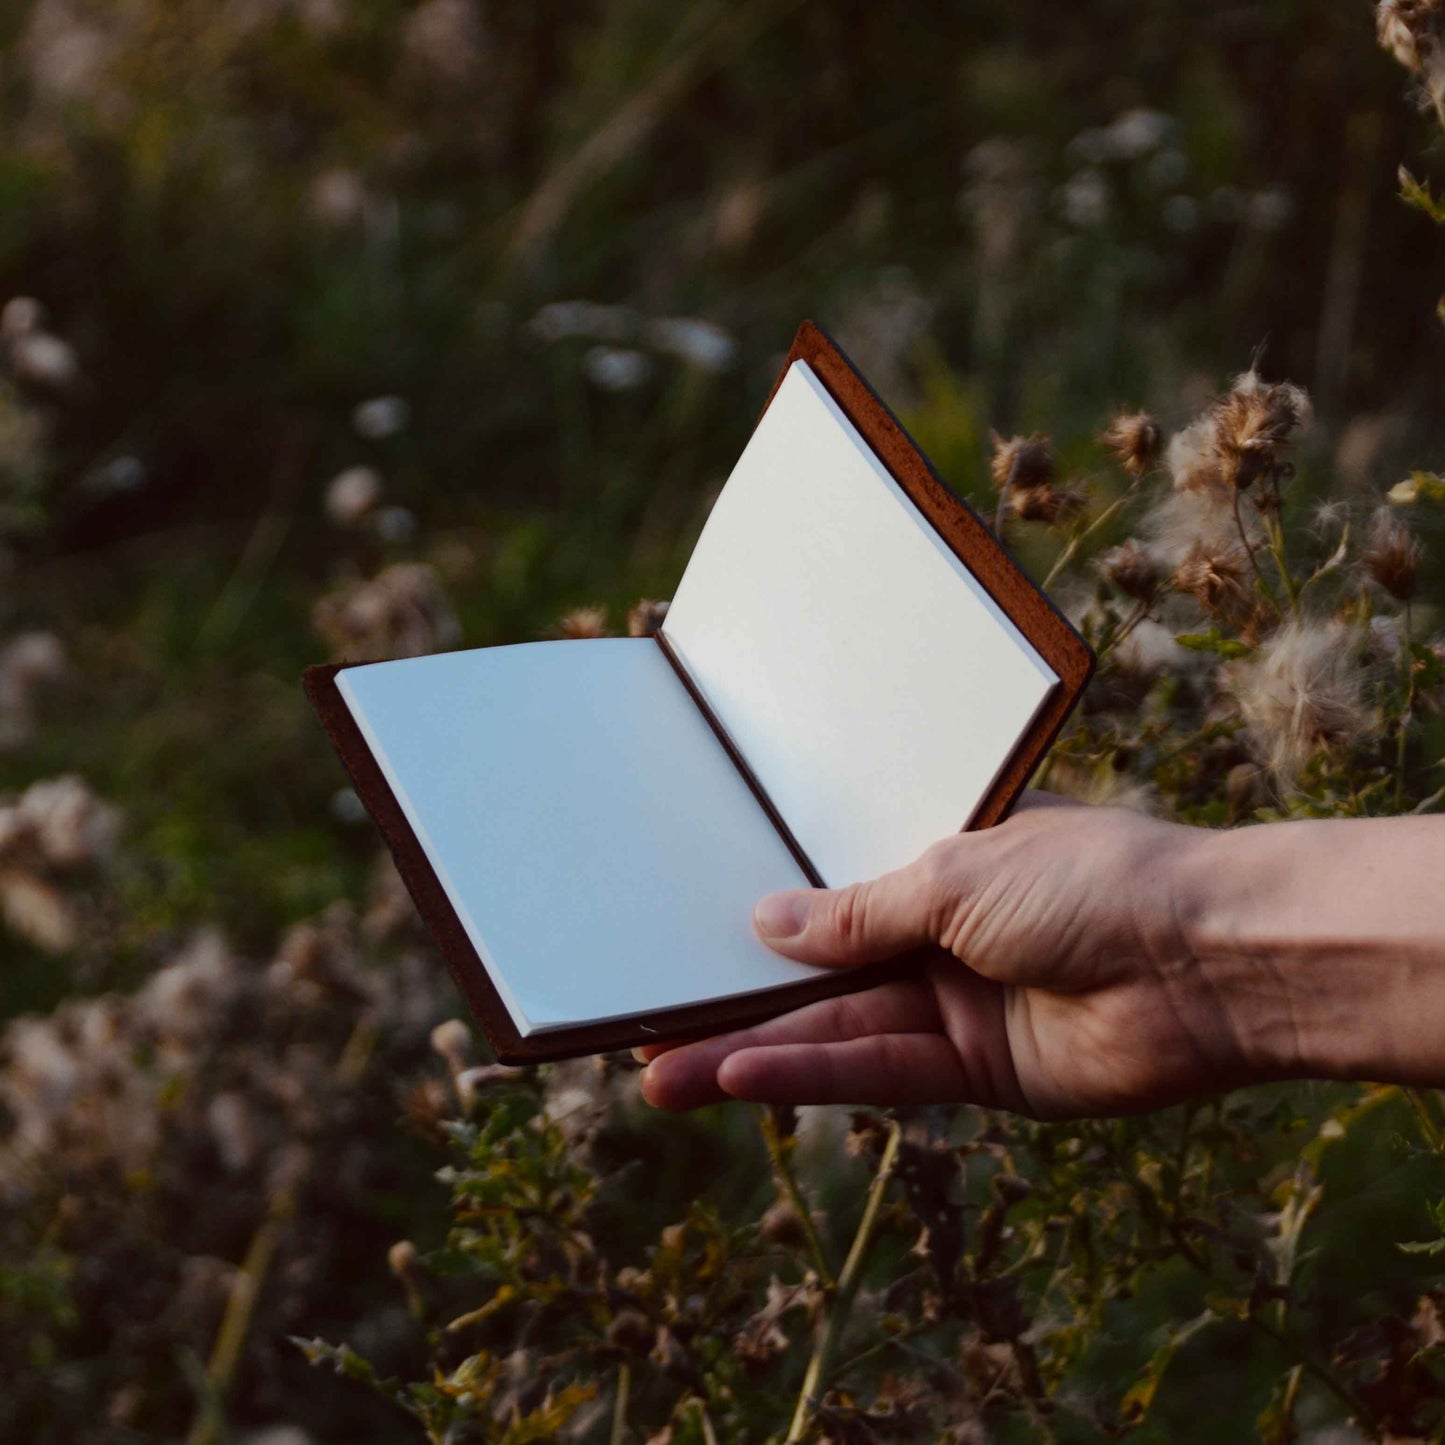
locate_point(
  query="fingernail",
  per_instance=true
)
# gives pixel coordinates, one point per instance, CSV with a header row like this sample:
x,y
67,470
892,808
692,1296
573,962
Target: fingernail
x,y
639,1055
782,915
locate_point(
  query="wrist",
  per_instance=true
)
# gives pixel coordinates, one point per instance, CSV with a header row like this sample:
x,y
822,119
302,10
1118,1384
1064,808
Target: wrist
x,y
1323,951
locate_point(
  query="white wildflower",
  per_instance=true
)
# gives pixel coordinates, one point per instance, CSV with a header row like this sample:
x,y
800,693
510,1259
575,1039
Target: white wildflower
x,y
351,494
617,369
381,417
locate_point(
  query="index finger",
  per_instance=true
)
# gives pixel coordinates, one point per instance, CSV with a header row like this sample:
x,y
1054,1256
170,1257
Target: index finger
x,y
684,1076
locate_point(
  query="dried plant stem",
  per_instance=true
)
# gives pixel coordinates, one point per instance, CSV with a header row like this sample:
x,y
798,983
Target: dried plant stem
x,y
1080,537
820,1364
619,1405
889,1342
1004,492
1425,1117
709,37
1249,549
1402,737
261,1253
1140,612
241,1304
1276,547
1425,804
788,1182
709,1434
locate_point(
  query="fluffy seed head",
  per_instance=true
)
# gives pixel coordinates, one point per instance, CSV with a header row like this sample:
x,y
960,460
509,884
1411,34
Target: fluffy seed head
x,y
1192,458
1300,691
1392,557
1136,441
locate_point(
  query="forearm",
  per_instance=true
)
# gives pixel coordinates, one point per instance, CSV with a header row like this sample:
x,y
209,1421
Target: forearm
x,y
1326,940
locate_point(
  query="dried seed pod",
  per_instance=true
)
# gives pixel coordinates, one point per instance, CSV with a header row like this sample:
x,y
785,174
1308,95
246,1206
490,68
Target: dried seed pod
x,y
1410,30
584,622
1214,578
452,1039
1136,441
1254,422
1392,557
1133,570
1046,504
646,618
632,1332
783,1225
1020,462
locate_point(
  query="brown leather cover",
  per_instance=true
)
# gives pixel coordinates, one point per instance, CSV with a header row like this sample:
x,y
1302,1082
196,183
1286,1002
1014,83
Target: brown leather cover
x,y
973,543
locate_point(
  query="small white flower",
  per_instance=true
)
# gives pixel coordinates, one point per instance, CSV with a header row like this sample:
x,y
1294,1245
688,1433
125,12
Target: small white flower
x,y
583,321
21,315
351,494
615,369
703,344
1084,199
381,417
45,360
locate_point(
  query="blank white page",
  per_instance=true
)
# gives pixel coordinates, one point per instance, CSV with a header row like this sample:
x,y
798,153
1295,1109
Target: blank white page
x,y
598,844
871,682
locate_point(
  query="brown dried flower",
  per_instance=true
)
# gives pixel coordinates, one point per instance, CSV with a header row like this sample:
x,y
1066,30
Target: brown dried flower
x,y
401,612
1046,504
1253,423
1023,463
1392,557
632,1332
645,618
584,622
1136,441
1410,30
782,1224
1133,570
1214,578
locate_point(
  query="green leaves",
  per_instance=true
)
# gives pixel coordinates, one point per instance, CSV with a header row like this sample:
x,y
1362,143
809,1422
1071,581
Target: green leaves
x,y
1215,642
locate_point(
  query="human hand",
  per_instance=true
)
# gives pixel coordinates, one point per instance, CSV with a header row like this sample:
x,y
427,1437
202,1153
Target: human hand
x,y
1065,980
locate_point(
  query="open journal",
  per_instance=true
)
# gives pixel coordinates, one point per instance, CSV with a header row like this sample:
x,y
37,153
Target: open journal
x,y
851,668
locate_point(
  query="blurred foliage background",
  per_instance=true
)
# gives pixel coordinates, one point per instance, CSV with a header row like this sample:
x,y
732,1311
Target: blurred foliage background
x,y
347,324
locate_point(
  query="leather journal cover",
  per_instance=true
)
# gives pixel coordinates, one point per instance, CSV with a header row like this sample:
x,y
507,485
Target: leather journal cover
x,y
970,541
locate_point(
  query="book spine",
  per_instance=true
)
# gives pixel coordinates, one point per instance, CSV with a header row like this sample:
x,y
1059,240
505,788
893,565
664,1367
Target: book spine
x,y
740,763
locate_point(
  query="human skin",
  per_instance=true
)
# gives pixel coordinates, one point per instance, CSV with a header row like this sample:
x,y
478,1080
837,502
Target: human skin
x,y
1091,961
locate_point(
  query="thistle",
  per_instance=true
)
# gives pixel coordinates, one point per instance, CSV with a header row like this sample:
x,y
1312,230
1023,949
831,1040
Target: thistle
x,y
1253,423
583,622
1392,557
1136,441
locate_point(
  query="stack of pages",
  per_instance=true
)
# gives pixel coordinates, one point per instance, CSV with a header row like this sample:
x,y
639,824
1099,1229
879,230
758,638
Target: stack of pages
x,y
851,669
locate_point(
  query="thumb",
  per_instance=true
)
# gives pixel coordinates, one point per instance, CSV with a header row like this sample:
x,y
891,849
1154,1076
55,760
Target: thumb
x,y
864,922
